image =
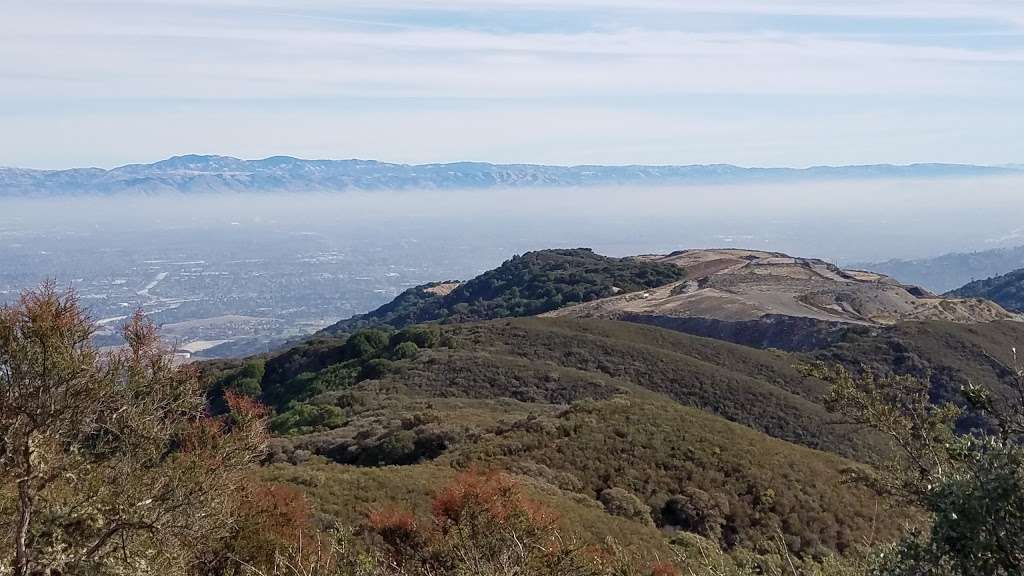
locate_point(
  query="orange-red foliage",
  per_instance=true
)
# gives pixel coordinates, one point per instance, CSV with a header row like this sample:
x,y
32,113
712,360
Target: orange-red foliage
x,y
492,493
478,517
282,513
272,518
242,406
393,525
203,435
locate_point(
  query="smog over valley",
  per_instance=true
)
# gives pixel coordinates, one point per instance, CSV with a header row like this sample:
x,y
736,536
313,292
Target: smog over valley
x,y
229,273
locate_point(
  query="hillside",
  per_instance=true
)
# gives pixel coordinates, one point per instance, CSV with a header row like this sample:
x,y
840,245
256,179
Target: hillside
x,y
949,356
769,299
576,409
202,174
1006,290
647,435
761,299
616,425
526,285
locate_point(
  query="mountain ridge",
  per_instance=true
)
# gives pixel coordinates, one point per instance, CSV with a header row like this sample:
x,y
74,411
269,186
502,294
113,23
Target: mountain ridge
x,y
194,173
948,272
751,297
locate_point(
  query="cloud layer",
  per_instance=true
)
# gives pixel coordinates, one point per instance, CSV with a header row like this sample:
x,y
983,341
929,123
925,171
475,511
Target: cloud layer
x,y
567,81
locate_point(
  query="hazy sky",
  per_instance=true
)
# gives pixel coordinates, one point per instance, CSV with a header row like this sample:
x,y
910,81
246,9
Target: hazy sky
x,y
752,82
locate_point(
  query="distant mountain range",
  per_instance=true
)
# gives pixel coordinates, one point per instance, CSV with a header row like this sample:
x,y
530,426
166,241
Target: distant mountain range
x,y
949,271
197,174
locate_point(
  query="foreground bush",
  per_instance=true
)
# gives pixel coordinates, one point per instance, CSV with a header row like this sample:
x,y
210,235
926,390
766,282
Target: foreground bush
x,y
108,462
971,486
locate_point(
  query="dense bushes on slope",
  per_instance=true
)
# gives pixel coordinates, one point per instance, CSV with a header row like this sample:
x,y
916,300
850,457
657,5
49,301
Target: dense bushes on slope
x,y
291,379
559,361
618,422
694,472
947,355
592,408
760,389
402,510
526,285
642,460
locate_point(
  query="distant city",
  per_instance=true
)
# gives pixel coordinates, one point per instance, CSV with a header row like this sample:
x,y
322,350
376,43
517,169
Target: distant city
x,y
216,294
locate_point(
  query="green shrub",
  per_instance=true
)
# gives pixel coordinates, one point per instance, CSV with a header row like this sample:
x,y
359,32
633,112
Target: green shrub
x,y
302,418
252,370
377,368
972,486
697,511
421,336
405,351
398,448
246,386
366,343
619,502
245,379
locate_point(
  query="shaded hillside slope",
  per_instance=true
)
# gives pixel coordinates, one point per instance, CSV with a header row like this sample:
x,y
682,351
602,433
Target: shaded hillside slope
x,y
747,487
581,408
525,285
949,355
1006,290
560,361
656,450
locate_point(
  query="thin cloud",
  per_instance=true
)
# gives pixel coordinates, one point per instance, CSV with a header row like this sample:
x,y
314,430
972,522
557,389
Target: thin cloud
x,y
207,61
83,60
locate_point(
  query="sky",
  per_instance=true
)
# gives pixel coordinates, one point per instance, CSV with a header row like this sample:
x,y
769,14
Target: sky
x,y
748,82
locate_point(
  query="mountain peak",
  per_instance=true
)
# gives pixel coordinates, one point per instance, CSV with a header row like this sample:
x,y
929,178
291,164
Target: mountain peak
x,y
206,162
